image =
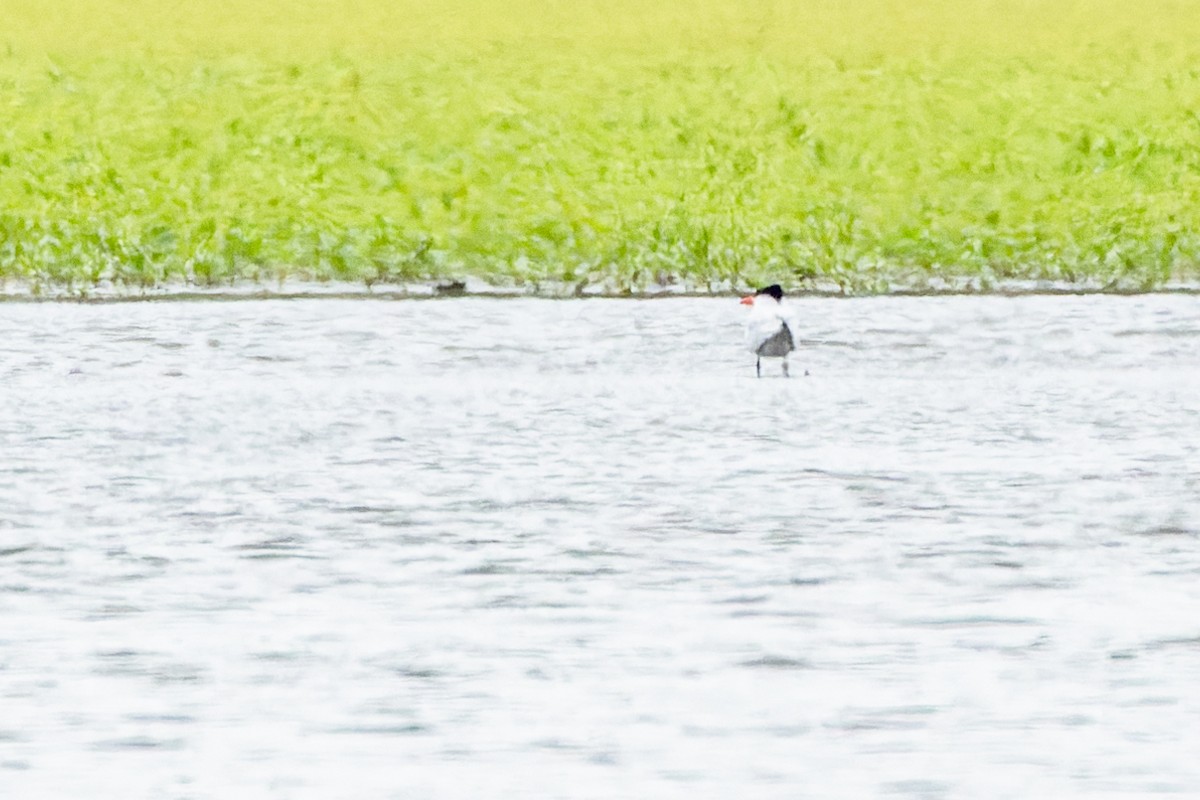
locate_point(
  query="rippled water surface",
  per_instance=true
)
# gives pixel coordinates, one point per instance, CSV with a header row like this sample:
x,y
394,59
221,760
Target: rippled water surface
x,y
519,548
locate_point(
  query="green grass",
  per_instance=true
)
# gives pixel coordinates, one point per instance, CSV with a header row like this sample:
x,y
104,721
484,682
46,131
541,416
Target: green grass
x,y
866,144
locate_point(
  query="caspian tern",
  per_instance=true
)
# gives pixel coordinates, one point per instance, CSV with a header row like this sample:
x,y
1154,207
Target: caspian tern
x,y
769,326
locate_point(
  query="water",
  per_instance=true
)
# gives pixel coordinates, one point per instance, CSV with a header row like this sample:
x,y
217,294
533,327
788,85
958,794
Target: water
x,y
518,548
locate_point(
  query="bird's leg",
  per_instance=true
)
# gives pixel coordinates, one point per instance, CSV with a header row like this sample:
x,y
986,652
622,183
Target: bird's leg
x,y
758,367
785,367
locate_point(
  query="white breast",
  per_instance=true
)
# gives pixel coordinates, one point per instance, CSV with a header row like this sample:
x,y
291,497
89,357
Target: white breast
x,y
766,319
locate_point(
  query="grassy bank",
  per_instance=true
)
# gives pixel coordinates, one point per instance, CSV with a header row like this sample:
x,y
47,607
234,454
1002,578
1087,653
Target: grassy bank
x,y
865,143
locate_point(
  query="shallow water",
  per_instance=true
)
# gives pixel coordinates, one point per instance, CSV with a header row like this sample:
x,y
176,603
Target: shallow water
x,y
526,548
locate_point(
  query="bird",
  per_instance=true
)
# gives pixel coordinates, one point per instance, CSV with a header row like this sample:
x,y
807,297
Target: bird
x,y
769,326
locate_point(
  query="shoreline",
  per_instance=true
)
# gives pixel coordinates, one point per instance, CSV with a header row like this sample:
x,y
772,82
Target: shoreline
x,y
473,288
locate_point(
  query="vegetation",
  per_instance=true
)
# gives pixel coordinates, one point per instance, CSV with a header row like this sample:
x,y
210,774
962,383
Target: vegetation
x,y
866,144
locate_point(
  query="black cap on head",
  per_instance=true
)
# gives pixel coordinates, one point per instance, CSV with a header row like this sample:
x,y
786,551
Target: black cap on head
x,y
772,290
